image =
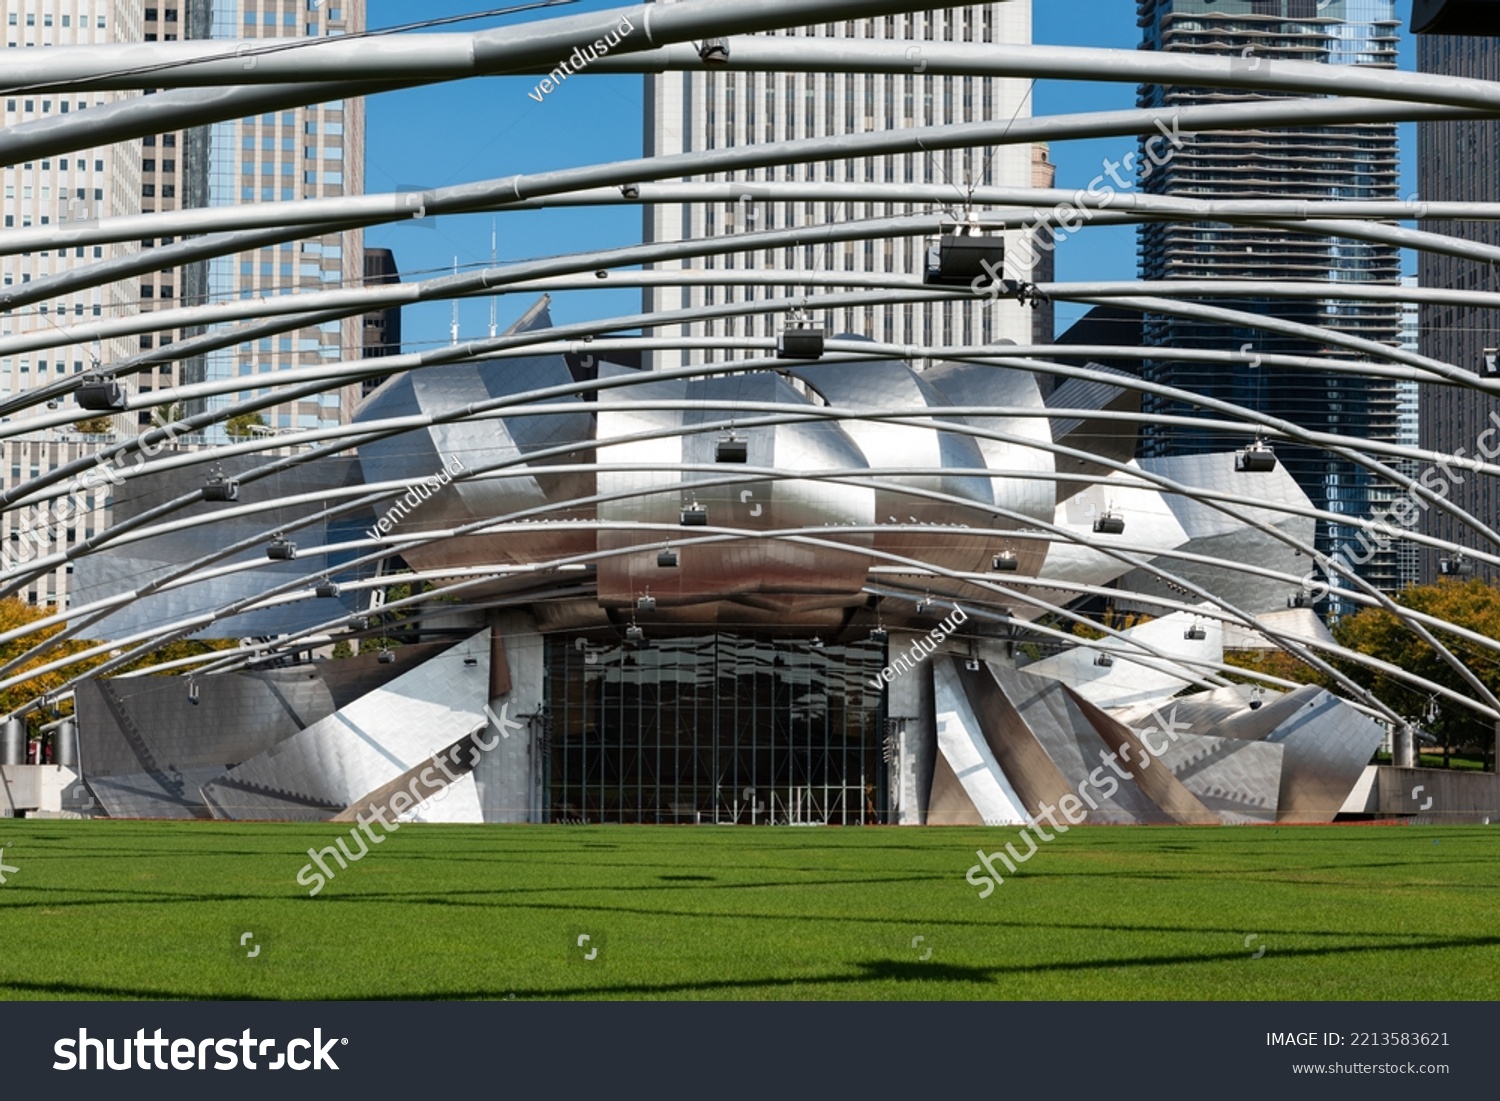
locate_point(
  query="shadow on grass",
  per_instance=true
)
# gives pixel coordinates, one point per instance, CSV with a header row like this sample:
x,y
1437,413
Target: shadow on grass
x,y
870,972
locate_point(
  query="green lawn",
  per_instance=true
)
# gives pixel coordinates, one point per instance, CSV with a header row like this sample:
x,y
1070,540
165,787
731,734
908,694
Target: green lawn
x,y
1471,762
155,910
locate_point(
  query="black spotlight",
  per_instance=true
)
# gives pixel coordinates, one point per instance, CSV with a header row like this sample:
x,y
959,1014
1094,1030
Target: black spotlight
x,y
1459,566
1475,18
1103,661
385,657
714,51
800,342
667,559
645,603
220,488
958,260
326,589
1195,633
470,663
1111,523
634,634
1258,458
101,395
1296,600
281,550
695,516
879,634
1006,562
732,449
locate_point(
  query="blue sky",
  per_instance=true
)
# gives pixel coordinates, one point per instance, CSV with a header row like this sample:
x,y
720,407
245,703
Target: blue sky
x,y
480,129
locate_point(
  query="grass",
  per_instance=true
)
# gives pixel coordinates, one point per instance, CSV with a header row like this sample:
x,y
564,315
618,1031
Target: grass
x,y
155,910
1472,762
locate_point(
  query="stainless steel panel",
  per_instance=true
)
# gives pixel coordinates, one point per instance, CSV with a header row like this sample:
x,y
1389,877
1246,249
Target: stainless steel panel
x,y
895,386
1070,748
1327,743
147,749
324,768
131,566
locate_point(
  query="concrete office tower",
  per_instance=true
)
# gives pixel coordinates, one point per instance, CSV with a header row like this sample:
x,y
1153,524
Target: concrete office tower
x,y
1044,317
705,109
75,186
303,153
1459,162
1357,162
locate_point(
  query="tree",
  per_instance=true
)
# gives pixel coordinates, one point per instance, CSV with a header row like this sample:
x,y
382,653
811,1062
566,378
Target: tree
x,y
164,415
179,648
1473,605
95,426
242,425
1277,663
16,613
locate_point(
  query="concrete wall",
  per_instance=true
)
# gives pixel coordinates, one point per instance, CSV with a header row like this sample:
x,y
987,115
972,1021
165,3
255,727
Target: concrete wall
x,y
1443,795
40,791
509,776
909,697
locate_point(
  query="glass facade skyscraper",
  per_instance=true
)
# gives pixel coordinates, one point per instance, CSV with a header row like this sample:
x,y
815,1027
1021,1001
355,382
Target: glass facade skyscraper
x,y
311,152
1459,162
1351,162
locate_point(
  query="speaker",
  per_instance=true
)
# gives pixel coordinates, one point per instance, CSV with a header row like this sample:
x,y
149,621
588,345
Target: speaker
x,y
1477,18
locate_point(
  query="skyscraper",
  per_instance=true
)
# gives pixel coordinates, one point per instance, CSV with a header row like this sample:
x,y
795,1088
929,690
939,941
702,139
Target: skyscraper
x,y
1408,426
1354,162
308,152
77,186
1459,162
89,183
711,109
1044,321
